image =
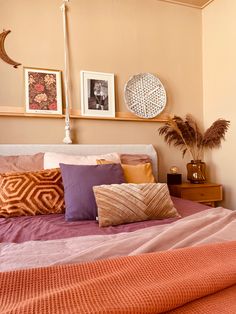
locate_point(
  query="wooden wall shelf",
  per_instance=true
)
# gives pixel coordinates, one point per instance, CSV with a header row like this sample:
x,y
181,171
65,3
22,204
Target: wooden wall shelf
x,y
75,114
117,118
19,114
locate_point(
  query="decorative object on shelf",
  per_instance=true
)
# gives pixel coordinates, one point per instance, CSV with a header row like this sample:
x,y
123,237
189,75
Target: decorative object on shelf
x,y
43,91
145,95
67,138
97,94
3,54
187,136
174,177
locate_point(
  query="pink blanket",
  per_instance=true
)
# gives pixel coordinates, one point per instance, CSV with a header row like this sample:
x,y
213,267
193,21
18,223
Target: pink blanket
x,y
216,225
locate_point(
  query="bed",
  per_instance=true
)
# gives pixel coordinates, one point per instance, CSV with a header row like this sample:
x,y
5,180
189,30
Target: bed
x,y
181,264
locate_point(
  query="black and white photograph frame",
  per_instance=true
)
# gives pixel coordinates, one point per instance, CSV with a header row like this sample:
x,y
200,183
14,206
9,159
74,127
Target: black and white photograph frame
x,y
97,94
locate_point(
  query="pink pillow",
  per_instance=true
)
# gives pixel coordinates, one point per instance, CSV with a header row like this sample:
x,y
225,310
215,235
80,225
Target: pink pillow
x,y
21,163
135,159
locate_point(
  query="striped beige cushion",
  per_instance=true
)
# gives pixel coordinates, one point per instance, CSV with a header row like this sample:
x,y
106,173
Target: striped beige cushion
x,y
31,193
124,203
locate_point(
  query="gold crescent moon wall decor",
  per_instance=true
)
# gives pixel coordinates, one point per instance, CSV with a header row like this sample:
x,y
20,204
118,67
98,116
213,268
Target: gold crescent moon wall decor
x,y
3,54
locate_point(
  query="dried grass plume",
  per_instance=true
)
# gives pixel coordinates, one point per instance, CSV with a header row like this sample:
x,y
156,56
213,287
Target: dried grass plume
x,y
187,136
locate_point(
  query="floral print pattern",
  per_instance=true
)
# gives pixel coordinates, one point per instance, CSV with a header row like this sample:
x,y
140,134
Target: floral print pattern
x,y
42,91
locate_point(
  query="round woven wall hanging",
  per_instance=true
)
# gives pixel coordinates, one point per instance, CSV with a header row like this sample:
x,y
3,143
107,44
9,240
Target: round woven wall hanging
x,y
145,96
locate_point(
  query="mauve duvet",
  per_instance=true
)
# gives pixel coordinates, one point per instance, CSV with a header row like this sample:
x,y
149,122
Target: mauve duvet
x,y
54,226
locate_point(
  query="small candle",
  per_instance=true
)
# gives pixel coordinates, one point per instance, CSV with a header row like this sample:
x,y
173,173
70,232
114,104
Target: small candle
x,y
174,169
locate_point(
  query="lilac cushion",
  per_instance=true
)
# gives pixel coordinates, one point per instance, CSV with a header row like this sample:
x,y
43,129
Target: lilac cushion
x,y
78,184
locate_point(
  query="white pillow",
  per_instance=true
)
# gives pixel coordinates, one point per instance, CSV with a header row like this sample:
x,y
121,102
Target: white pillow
x,y
52,160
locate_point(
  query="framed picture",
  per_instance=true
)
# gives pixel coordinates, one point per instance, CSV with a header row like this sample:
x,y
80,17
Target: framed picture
x,y
97,94
43,91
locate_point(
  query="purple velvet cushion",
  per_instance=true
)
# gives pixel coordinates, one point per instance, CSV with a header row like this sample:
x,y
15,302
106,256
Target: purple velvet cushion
x,y
78,184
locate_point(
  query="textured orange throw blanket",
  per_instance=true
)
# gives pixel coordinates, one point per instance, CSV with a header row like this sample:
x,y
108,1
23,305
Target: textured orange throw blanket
x,y
190,280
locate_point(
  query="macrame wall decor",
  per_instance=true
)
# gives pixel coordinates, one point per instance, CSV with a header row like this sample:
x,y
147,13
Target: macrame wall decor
x,y
67,139
3,54
145,96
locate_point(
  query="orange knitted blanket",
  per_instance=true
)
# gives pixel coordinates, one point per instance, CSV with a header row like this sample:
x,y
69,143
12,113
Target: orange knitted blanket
x,y
190,280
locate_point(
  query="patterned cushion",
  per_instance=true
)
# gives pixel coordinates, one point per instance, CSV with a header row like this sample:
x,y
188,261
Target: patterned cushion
x,y
31,193
123,203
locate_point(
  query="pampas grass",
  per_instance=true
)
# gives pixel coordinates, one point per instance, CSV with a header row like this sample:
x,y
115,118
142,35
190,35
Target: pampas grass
x,y
187,136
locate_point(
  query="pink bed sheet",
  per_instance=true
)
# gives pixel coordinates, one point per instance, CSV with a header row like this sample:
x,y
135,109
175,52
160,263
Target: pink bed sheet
x,y
49,227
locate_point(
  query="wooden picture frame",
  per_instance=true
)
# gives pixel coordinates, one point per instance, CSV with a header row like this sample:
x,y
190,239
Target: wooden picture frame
x,y
97,94
43,94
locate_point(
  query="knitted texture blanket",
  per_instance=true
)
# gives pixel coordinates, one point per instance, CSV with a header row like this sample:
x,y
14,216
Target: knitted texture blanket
x,y
198,279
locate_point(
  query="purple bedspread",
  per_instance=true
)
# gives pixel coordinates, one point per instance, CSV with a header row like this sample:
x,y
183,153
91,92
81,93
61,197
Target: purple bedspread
x,y
48,227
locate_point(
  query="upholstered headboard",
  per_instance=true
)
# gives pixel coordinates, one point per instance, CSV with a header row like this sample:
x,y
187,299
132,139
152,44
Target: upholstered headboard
x,y
81,149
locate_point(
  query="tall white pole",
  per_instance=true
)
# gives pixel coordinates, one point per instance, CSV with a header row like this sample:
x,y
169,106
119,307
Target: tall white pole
x,y
67,139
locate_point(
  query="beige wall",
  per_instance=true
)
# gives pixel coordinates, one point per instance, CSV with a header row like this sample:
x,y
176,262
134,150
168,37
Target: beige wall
x,y
219,64
125,37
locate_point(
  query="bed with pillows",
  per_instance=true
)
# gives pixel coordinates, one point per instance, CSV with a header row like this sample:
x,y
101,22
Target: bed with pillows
x,y
89,229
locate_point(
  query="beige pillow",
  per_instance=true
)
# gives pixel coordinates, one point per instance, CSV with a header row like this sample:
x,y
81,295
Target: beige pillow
x,y
31,193
21,163
124,203
52,160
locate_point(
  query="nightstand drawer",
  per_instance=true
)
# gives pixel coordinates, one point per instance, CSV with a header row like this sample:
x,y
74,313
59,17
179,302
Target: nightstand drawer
x,y
202,194
207,193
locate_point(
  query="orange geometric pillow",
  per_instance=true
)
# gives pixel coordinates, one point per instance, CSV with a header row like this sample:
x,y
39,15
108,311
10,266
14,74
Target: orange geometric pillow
x,y
31,193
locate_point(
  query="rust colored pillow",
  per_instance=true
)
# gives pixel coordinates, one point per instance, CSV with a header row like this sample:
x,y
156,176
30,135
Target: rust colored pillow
x,y
141,173
21,163
135,159
125,203
31,193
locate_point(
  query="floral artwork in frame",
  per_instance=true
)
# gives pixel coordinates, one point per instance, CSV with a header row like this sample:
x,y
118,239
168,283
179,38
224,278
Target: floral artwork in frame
x,y
43,91
97,94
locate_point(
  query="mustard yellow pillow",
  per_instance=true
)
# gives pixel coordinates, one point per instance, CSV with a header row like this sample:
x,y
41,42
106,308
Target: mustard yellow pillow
x,y
141,173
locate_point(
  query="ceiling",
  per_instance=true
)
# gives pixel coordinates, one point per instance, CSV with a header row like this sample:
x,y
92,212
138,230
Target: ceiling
x,y
191,3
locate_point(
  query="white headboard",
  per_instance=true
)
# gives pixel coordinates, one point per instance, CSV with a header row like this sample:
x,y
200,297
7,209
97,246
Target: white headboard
x,y
82,149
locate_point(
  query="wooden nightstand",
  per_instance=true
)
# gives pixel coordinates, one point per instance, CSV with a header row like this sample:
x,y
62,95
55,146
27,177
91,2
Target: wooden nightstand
x,y
207,193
